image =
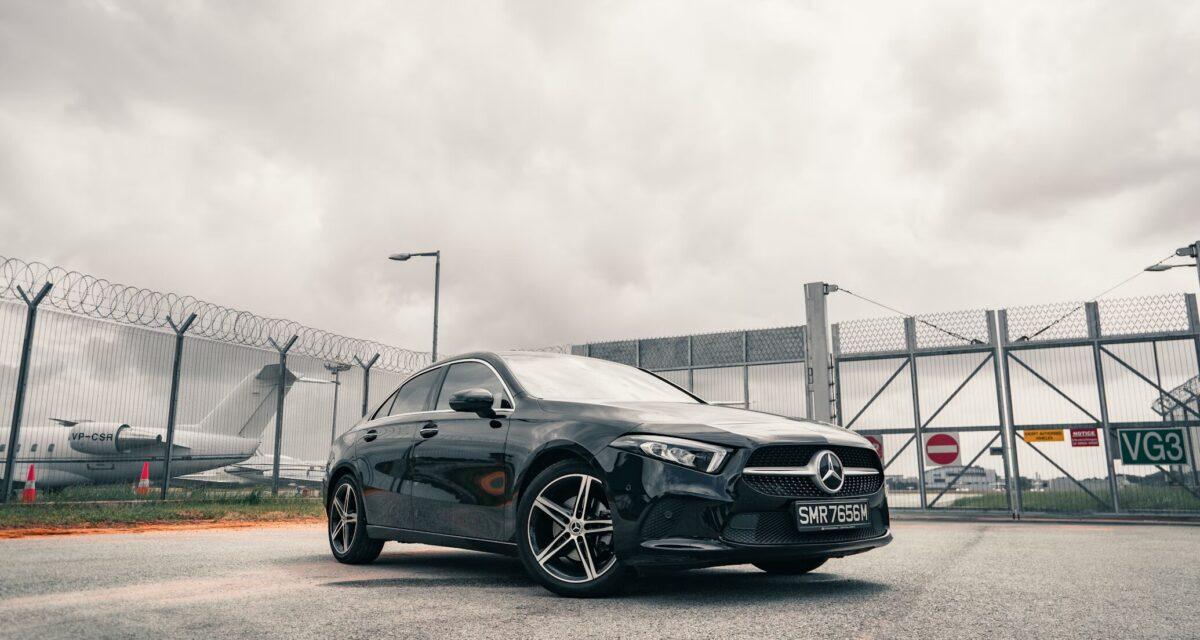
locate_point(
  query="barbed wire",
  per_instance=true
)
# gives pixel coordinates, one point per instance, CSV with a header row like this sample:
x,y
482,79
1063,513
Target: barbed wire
x,y
87,295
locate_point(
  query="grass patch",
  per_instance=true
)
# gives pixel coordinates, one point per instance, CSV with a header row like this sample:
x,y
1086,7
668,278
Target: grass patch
x,y
1136,498
250,507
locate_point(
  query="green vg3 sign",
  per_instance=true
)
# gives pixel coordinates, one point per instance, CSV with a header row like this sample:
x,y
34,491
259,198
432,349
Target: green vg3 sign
x,y
1159,445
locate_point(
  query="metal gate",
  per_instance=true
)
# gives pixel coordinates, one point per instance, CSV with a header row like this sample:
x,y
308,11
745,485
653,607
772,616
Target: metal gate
x,y
1083,377
927,384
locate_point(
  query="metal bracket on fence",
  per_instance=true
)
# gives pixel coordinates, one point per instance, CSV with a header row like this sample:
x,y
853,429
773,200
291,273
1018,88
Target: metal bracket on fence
x,y
366,367
174,401
283,351
10,457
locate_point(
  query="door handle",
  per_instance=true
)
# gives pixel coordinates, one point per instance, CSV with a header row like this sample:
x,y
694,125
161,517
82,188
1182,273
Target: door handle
x,y
430,430
371,435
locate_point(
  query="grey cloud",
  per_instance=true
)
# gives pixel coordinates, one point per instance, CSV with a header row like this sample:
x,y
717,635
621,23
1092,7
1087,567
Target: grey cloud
x,y
592,170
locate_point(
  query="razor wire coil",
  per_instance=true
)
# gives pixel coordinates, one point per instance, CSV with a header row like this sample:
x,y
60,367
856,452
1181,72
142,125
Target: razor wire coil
x,y
88,295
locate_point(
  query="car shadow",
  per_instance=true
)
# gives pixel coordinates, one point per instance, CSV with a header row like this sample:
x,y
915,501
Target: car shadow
x,y
737,586
718,587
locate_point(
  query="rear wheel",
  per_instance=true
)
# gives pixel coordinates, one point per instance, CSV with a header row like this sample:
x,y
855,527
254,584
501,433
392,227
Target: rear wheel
x,y
565,537
794,567
348,527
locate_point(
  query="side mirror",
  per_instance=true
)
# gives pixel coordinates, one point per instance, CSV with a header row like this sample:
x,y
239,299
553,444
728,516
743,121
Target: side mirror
x,y
477,401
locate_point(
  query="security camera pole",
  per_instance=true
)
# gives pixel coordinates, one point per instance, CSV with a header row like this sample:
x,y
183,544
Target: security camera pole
x,y
437,279
335,368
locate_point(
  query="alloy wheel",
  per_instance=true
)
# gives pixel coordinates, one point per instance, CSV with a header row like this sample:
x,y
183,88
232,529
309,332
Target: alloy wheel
x,y
570,529
343,518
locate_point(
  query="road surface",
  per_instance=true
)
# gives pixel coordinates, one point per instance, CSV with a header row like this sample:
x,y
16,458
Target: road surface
x,y
937,580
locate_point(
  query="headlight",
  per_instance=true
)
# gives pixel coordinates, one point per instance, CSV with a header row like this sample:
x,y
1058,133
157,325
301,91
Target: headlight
x,y
687,453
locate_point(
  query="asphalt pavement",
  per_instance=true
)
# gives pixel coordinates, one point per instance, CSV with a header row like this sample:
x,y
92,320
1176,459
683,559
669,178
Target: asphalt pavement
x,y
937,580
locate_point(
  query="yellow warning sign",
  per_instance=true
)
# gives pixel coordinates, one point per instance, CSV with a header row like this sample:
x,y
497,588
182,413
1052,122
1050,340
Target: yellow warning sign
x,y
1043,435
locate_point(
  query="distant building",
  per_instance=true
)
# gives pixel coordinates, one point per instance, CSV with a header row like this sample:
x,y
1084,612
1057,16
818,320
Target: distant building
x,y
973,478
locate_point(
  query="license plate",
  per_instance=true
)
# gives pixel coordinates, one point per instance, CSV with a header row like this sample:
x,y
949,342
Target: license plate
x,y
823,516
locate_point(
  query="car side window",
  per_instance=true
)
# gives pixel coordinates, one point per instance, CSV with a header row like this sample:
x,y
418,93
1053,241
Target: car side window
x,y
382,410
473,375
412,396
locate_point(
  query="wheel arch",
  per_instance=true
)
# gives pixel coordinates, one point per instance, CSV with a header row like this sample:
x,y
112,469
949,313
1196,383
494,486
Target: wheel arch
x,y
340,471
550,455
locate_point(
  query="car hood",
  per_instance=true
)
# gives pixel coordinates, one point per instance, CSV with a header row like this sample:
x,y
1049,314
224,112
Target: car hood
x,y
711,423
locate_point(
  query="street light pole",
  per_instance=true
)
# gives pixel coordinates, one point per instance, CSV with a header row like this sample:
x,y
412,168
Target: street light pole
x,y
437,285
1190,251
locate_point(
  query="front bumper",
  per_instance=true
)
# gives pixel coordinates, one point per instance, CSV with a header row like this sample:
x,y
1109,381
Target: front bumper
x,y
668,516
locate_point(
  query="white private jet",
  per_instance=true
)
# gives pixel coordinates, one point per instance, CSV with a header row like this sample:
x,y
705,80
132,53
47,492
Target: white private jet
x,y
89,452
258,469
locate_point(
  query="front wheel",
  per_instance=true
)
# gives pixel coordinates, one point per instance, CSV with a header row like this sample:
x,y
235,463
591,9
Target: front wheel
x,y
795,567
565,533
348,527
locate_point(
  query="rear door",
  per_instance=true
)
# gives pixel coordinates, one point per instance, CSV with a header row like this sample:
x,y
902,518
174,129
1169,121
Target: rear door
x,y
385,447
460,482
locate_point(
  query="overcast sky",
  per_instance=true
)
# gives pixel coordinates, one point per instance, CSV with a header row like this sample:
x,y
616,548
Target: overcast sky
x,y
598,170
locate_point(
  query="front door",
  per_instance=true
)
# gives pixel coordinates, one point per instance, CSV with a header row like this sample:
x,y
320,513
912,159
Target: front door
x,y
460,482
385,445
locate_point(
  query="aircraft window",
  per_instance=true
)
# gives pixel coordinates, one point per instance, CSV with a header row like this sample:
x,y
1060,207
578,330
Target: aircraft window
x,y
472,375
50,448
33,447
413,395
3,447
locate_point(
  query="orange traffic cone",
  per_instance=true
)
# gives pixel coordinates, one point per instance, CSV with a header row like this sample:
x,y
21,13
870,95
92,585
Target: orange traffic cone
x,y
143,485
29,493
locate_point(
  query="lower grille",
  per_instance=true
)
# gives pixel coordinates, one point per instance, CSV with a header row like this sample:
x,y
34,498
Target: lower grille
x,y
672,517
779,527
784,486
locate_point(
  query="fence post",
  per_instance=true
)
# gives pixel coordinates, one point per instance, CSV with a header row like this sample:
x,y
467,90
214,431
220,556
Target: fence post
x,y
174,401
1110,438
836,338
1015,473
997,341
10,456
817,351
746,370
1189,301
691,368
366,367
910,342
279,393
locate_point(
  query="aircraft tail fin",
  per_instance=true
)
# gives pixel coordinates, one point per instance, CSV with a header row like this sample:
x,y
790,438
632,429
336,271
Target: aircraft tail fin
x,y
249,407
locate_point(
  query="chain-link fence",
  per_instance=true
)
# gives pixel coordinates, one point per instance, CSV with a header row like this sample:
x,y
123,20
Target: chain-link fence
x,y
109,391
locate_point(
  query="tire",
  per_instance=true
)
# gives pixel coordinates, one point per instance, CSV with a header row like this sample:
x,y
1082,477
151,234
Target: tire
x,y
553,534
796,567
348,538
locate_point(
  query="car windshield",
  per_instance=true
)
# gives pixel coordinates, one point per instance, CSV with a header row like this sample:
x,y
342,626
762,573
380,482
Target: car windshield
x,y
579,379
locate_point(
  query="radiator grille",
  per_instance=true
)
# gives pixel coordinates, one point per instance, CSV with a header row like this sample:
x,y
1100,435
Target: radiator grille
x,y
806,487
798,455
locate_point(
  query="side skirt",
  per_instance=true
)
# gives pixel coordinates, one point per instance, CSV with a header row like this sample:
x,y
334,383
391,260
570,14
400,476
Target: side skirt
x,y
441,540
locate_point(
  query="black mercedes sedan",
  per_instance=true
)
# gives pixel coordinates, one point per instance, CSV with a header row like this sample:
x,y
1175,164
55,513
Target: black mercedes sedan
x,y
591,471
